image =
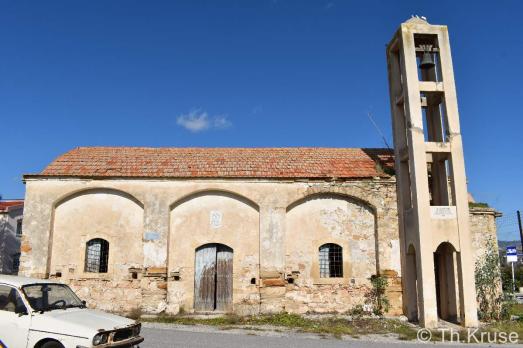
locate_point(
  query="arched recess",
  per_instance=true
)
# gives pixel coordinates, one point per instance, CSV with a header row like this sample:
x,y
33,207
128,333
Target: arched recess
x,y
212,216
447,287
331,218
411,284
78,217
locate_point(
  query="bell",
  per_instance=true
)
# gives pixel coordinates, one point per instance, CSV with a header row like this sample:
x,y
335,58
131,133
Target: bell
x,y
427,61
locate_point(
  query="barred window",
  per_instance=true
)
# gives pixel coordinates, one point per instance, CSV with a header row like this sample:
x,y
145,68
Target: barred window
x,y
96,255
331,261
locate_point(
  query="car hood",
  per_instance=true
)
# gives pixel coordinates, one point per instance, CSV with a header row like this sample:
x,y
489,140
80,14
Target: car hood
x,y
78,322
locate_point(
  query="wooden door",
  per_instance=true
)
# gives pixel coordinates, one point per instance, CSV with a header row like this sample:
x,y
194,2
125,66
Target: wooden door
x,y
213,278
205,278
224,278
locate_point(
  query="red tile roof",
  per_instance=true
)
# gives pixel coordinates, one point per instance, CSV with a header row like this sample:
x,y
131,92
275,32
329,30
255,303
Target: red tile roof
x,y
142,162
5,205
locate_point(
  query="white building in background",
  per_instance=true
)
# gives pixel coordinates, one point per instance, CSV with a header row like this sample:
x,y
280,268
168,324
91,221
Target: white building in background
x,y
11,213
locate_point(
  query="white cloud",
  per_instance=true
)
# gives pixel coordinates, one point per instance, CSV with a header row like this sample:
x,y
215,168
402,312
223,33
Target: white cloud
x,y
198,120
221,122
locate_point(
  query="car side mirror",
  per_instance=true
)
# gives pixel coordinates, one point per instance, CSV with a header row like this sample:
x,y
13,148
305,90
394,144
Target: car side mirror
x,y
84,303
21,311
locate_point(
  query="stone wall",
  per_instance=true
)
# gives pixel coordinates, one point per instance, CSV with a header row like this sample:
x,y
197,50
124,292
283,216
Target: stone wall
x,y
329,219
482,229
273,227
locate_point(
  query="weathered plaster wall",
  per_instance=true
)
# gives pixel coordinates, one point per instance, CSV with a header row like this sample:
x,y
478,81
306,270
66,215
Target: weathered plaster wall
x,y
170,218
329,219
110,215
214,217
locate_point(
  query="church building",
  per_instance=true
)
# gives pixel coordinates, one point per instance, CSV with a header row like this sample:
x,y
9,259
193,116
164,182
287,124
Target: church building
x,y
264,230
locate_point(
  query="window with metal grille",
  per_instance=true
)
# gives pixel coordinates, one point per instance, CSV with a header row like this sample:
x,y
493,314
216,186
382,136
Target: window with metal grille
x,y
331,261
96,255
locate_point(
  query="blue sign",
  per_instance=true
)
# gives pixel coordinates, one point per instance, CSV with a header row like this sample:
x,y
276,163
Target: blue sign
x,y
511,250
512,254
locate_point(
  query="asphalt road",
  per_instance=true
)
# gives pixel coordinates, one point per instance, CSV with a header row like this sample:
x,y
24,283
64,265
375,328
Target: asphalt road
x,y
208,338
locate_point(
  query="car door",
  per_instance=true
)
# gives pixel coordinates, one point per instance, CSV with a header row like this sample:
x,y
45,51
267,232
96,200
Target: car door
x,y
14,318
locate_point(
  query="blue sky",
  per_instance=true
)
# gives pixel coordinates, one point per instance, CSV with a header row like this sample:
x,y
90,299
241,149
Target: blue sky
x,y
247,73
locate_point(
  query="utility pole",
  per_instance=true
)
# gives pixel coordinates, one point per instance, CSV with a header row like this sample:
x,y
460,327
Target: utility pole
x,y
520,228
513,279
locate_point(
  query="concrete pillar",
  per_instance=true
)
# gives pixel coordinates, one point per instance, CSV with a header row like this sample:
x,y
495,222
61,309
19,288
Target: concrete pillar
x,y
427,301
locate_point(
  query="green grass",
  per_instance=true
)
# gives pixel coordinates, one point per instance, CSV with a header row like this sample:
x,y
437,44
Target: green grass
x,y
331,326
336,327
517,309
478,205
507,326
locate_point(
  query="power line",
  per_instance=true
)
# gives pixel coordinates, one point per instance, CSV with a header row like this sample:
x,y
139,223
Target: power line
x,y
369,115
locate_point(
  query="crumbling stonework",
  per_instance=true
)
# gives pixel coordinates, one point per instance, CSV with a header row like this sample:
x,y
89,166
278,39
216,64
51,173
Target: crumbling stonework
x,y
483,229
108,295
154,226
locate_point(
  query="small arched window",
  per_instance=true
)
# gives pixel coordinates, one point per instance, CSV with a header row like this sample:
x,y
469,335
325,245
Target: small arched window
x,y
96,255
331,261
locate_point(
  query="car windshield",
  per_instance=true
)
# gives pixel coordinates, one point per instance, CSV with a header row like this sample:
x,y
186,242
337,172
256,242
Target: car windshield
x,y
46,297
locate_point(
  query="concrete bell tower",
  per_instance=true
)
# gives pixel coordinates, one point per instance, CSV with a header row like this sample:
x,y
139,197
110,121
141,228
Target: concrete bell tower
x,y
437,262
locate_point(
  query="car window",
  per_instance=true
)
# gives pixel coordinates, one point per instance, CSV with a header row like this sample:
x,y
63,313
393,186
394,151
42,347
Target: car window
x,y
43,297
10,300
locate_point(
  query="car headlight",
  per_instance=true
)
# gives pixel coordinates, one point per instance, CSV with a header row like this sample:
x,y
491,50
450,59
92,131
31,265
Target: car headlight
x,y
136,329
101,338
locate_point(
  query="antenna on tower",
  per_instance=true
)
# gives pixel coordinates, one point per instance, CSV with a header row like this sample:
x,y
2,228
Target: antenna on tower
x,y
369,115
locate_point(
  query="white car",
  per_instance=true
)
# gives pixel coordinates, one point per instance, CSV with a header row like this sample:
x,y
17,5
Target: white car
x,y
36,313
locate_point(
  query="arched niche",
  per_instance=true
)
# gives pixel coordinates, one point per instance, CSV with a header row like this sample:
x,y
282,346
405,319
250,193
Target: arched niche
x,y
448,290
331,218
113,215
213,216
